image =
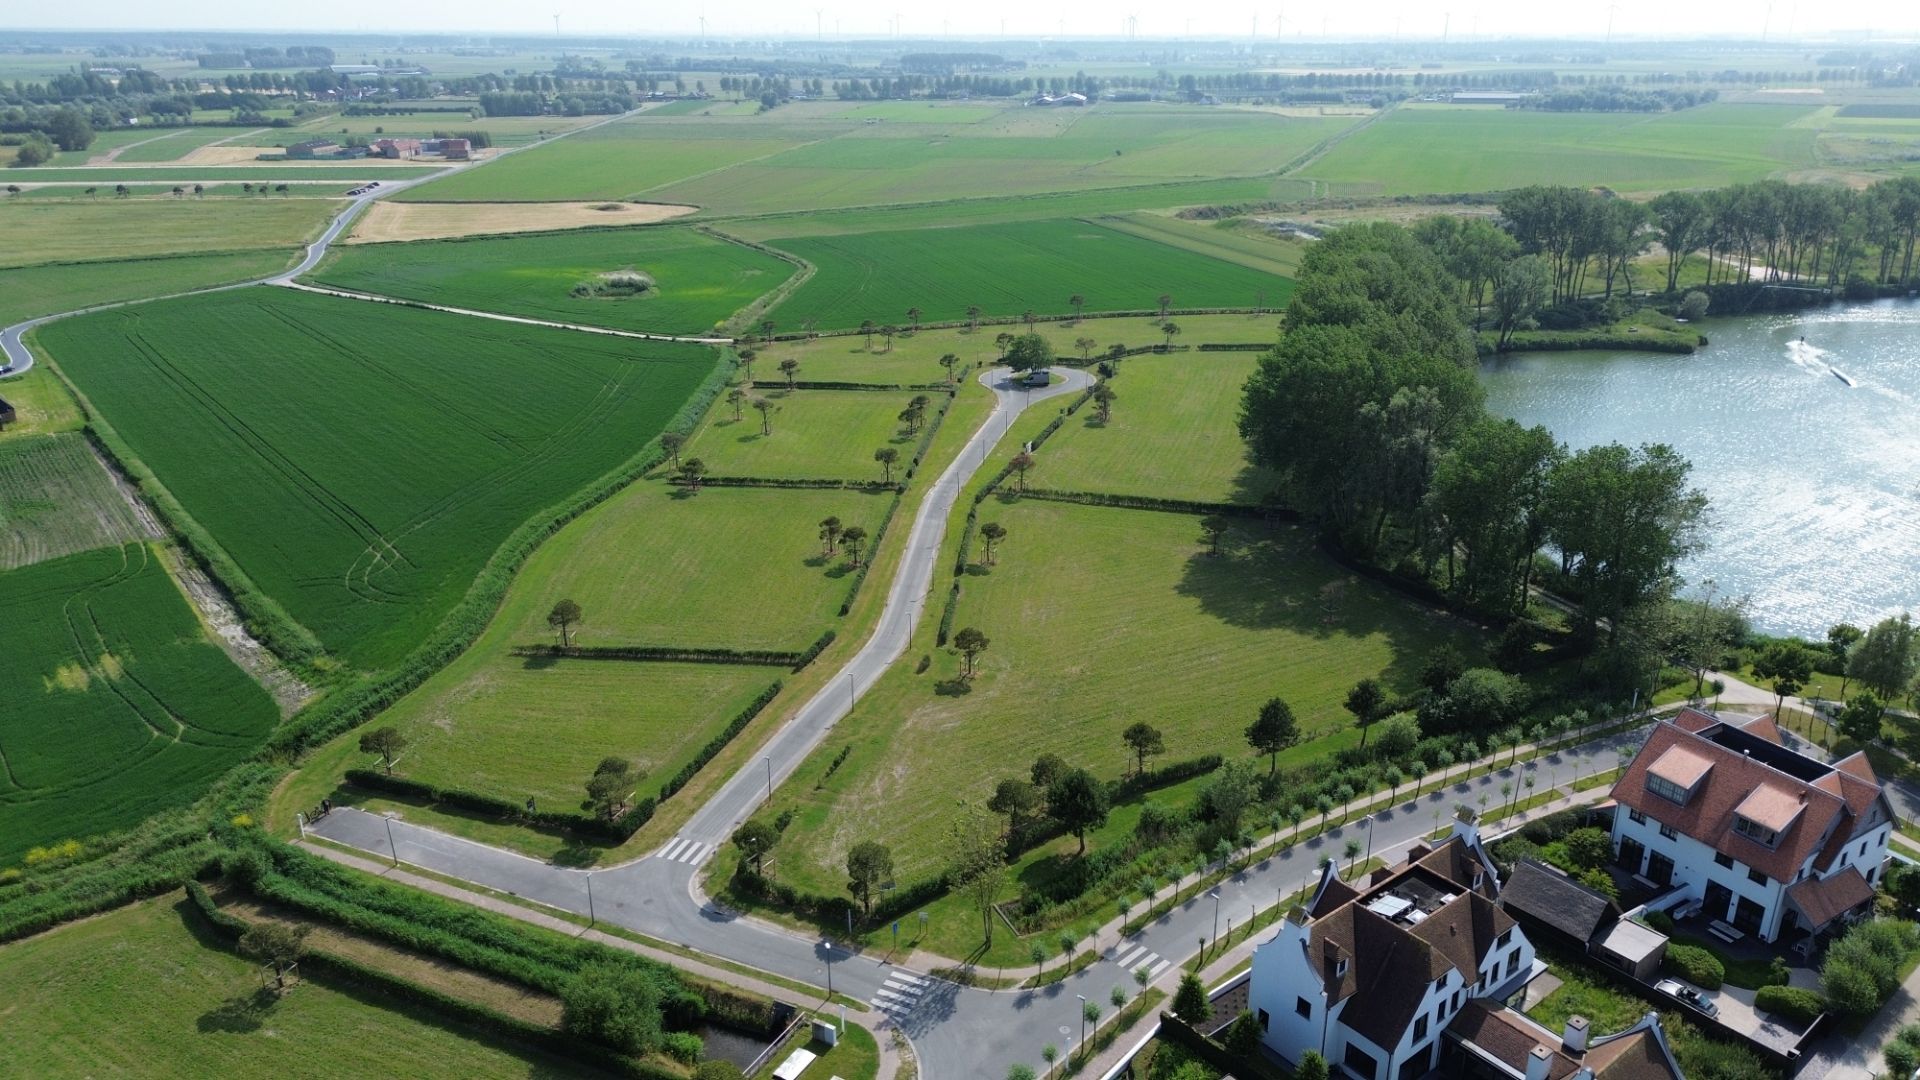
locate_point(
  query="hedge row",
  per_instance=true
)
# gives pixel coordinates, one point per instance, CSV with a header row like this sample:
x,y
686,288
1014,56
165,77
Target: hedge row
x,y
1015,320
833,910
1145,502
668,653
1252,346
718,742
802,482
805,384
913,465
353,705
1575,342
506,810
813,651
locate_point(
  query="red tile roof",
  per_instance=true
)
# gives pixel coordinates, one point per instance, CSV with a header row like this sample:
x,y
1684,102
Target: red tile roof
x,y
1822,900
1510,1037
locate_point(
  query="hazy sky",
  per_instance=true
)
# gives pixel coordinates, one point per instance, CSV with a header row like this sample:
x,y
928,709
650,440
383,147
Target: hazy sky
x,y
1157,18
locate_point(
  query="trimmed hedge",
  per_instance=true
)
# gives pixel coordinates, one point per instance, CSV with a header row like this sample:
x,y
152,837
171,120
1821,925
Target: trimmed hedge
x,y
800,482
813,651
665,653
1146,502
1235,347
493,806
717,743
1793,1003
820,384
1696,965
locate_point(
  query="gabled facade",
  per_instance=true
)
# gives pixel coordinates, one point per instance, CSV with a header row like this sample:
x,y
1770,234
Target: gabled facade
x,y
1762,838
1372,976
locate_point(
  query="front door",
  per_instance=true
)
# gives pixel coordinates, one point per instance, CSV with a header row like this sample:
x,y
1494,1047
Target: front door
x,y
1747,915
1718,903
1633,855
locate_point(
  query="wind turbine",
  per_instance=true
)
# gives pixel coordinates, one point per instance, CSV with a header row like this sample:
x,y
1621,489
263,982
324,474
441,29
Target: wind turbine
x,y
1133,25
1279,23
556,26
703,29
817,14
1446,26
1611,8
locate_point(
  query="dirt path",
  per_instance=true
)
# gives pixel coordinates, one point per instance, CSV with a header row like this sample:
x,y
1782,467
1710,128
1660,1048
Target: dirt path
x,y
113,155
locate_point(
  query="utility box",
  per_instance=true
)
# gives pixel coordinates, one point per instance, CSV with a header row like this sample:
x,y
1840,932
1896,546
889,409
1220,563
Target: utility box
x,y
825,1033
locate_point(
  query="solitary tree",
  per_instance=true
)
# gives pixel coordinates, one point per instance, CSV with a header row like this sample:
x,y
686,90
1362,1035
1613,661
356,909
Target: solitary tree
x,y
977,864
1145,741
279,944
991,534
853,537
671,442
755,838
387,742
608,788
1885,658
766,408
918,403
830,533
1077,303
1022,462
869,865
1170,330
1272,731
789,367
1367,701
1016,799
692,471
1786,666
1351,849
886,456
199,190
1214,526
564,617
1029,352
1860,720
887,332
913,317
948,361
736,397
1030,318
1003,341
1078,801
1086,346
971,643
973,317
746,358
867,328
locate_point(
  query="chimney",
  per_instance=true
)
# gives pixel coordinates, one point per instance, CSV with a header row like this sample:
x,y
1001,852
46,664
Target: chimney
x,y
1539,1062
1574,1041
1418,852
1466,827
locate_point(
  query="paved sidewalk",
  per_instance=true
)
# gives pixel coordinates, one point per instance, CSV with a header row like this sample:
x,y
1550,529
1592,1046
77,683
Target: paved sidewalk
x,y
1841,1056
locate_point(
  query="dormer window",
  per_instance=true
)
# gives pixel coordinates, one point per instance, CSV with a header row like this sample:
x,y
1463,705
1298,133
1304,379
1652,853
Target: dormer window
x,y
1667,789
1677,774
1340,968
1755,831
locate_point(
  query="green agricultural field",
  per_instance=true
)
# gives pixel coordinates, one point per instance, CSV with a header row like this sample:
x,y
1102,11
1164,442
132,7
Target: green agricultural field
x,y
359,461
517,727
56,499
699,281
1005,270
120,706
145,991
1428,149
48,231
172,145
108,175
1097,618
32,291
1171,436
817,434
915,358
1229,240
740,568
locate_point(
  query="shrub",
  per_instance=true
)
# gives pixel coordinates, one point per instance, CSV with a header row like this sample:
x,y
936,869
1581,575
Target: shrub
x,y
1694,306
1696,965
1903,1053
1790,1002
1588,848
1601,882
615,1005
683,1046
1661,921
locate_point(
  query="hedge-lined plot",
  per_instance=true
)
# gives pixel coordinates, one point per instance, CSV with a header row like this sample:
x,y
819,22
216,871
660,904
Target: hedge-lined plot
x,y
817,434
1006,270
56,499
359,462
118,706
698,280
1171,434
731,567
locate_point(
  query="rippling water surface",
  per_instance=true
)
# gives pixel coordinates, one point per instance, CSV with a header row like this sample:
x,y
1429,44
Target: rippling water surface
x,y
1809,450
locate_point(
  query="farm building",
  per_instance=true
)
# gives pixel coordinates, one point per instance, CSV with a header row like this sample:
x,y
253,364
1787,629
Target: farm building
x,y
456,149
1487,97
394,148
313,148
7,415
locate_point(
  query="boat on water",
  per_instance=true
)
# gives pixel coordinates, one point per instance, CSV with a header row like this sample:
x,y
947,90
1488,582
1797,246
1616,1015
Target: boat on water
x,y
1842,376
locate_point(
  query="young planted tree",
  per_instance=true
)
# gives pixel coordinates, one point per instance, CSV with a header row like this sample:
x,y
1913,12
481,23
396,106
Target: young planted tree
x,y
671,442
1144,740
1103,398
990,535
1022,462
789,367
1086,345
1785,666
1214,527
886,456
745,358
1029,318
755,838
607,789
1169,330
692,472
971,643
1272,731
1367,701
973,317
830,529
869,865
565,615
867,328
278,944
1190,1002
1003,341
1077,303
913,318
1165,301
887,332
1015,799
948,361
853,538
1078,801
387,742
976,862
736,397
766,408
1351,849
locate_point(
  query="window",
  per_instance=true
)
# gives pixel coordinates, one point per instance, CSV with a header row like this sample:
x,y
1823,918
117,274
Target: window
x,y
1513,963
1340,968
1636,817
1755,831
1263,1019
1756,876
1504,940
1459,999
1667,833
1420,1030
1667,789
1303,1007
1723,859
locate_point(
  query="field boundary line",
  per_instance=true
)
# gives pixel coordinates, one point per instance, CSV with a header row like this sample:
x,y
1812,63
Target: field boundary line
x,y
375,298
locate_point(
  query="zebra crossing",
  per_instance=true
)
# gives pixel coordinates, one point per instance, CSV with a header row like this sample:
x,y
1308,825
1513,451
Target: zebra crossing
x,y
900,992
681,850
1139,956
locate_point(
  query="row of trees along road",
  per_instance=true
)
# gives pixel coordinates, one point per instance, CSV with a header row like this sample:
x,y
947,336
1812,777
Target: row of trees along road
x,y
1370,413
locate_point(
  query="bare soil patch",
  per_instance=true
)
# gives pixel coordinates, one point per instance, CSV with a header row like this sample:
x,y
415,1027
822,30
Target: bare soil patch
x,y
385,221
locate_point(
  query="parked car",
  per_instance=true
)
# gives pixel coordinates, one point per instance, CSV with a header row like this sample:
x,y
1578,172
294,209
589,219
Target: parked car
x,y
1687,995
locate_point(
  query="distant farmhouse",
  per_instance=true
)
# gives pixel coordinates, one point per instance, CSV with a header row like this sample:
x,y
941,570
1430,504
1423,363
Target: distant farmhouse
x,y
311,149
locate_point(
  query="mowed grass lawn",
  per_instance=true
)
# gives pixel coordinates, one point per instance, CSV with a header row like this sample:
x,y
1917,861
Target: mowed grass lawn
x,y
49,231
914,359
1171,436
817,434
360,462
1429,149
700,281
1006,270
146,991
1098,618
118,705
740,568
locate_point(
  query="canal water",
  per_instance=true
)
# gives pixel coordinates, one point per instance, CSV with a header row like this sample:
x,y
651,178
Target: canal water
x,y
1803,430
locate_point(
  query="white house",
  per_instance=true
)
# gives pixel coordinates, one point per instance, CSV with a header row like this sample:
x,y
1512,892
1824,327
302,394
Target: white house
x,y
1764,840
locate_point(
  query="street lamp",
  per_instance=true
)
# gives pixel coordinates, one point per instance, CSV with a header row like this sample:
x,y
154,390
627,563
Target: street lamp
x,y
1083,1021
828,946
390,846
1367,823
1216,915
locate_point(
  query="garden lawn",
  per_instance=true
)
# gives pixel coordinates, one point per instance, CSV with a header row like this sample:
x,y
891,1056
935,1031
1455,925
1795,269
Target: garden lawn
x,y
119,706
854,1057
63,231
740,568
700,281
1098,618
1171,436
914,358
56,499
1006,270
517,727
1432,149
146,990
360,462
817,434
29,292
